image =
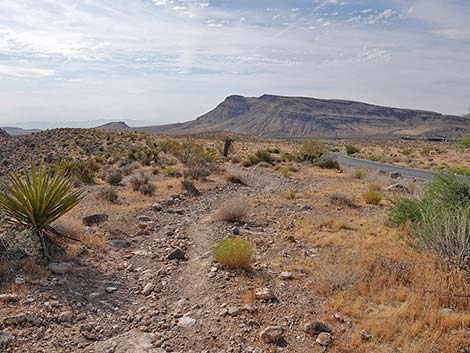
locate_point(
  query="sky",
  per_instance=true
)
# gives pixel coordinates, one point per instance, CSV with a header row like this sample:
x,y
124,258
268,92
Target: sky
x,y
163,61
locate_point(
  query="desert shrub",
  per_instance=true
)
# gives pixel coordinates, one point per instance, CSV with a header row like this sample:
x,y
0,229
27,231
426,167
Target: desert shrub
x,y
265,156
38,200
358,174
310,151
404,210
372,198
108,194
194,154
80,171
147,189
114,177
464,142
198,173
189,186
172,172
351,150
232,211
459,170
439,219
253,159
155,171
234,179
234,253
138,180
327,162
342,200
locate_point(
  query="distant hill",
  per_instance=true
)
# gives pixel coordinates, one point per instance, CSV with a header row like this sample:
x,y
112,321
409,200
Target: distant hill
x,y
288,117
4,135
115,126
16,131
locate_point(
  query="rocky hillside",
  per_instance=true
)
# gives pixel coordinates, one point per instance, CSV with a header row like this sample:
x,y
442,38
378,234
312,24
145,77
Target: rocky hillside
x,y
286,117
4,135
16,131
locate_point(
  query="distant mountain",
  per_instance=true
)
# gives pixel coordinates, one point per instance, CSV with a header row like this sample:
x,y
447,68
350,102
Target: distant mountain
x,y
115,126
16,131
4,135
288,117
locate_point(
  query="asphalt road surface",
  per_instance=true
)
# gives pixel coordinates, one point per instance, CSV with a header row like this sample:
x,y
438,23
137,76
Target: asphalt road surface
x,y
366,164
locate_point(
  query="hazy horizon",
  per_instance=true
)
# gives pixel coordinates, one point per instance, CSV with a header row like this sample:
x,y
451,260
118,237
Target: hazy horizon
x,y
161,61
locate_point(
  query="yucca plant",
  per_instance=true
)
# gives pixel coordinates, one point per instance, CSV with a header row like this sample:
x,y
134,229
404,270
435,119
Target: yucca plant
x,y
37,200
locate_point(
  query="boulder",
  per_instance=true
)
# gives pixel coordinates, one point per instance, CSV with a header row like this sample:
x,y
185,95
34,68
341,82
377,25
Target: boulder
x,y
176,254
272,334
95,220
60,268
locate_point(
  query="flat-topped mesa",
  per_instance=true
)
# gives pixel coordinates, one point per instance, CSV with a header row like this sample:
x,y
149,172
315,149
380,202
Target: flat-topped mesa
x,y
302,117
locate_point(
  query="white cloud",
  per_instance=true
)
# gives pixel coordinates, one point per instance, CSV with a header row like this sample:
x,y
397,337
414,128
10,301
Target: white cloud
x,y
25,72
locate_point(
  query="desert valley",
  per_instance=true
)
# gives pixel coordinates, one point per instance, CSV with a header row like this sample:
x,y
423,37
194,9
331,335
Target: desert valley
x,y
221,176
223,242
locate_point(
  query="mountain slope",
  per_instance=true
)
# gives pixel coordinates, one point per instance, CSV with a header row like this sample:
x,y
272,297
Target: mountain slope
x,y
4,135
115,126
16,131
277,116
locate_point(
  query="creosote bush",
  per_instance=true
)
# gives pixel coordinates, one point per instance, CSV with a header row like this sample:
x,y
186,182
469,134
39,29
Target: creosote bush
x,y
326,162
234,253
198,173
351,150
310,151
138,180
114,178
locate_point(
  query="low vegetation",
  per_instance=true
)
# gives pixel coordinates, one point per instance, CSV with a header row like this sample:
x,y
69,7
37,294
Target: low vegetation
x,y
38,200
234,253
439,220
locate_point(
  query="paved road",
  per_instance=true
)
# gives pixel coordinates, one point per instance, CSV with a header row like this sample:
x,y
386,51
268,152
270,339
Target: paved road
x,y
366,164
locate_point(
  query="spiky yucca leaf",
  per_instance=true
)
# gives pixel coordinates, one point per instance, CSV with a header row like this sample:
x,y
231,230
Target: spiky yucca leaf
x,y
39,199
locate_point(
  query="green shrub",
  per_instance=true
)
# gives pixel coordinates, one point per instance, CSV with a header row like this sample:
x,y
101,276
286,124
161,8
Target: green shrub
x,y
172,172
285,171
265,156
234,253
404,210
327,162
80,171
464,142
310,151
439,219
350,150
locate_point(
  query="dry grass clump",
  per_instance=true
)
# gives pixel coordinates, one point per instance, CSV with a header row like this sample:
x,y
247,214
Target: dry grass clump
x,y
375,187
234,253
198,173
291,194
358,174
232,211
75,229
372,198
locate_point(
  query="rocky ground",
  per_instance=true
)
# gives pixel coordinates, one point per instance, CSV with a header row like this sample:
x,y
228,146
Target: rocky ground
x,y
158,290
327,276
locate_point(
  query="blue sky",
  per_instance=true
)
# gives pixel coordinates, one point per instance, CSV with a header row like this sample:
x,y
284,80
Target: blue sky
x,y
162,61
